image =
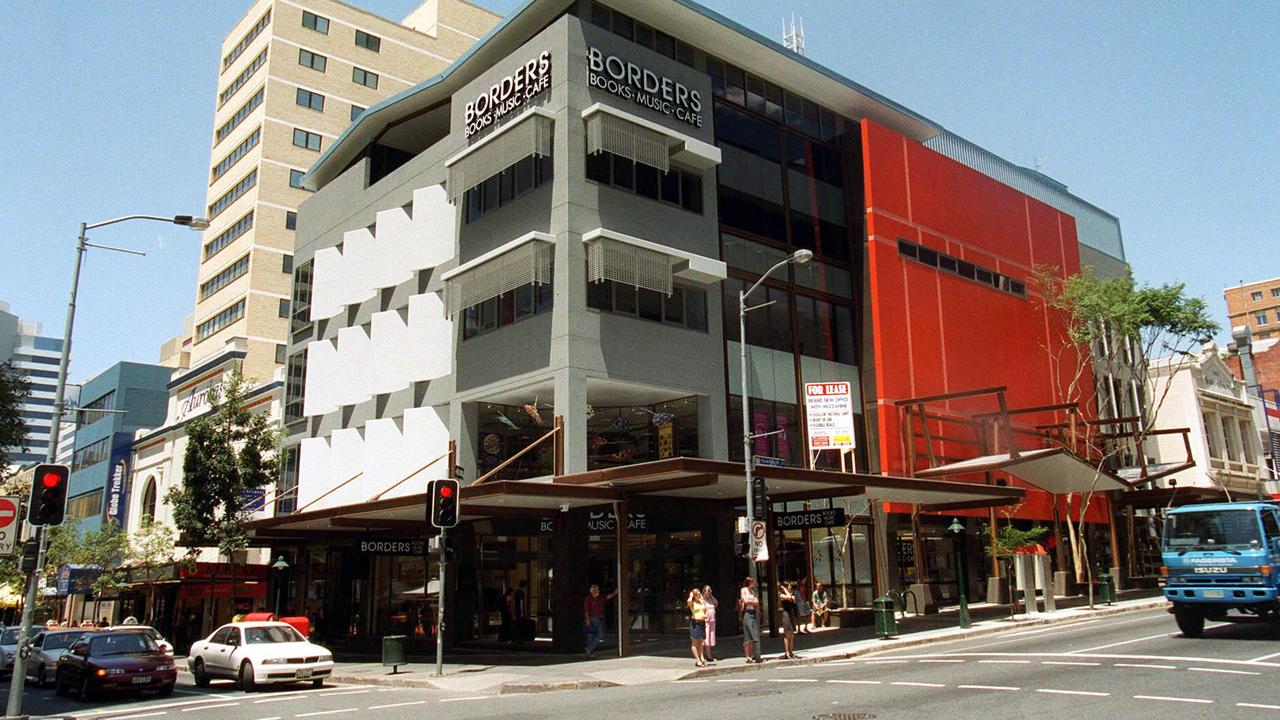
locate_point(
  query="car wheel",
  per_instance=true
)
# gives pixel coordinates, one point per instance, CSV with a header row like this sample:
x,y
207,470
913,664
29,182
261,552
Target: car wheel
x,y
246,677
86,689
167,690
1190,621
59,687
317,683
200,674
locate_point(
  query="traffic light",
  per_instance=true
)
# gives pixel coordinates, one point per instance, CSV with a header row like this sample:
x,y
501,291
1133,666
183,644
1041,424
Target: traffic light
x,y
444,503
741,544
30,555
49,495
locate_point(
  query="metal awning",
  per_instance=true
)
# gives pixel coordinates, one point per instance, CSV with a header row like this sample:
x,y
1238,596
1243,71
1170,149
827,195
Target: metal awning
x,y
640,263
635,138
1054,470
528,134
527,259
675,479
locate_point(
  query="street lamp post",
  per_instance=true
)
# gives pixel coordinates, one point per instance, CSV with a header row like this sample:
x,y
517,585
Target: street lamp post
x,y
280,566
18,680
799,257
957,532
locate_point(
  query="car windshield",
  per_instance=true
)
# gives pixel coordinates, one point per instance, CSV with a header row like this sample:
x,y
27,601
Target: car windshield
x,y
59,641
1213,530
9,636
271,634
121,644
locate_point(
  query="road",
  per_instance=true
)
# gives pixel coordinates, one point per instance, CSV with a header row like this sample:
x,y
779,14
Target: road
x,y
1134,665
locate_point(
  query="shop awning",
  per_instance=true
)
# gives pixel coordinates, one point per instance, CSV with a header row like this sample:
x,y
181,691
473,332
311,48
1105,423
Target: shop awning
x,y
527,259
529,134
644,264
675,479
635,138
1054,470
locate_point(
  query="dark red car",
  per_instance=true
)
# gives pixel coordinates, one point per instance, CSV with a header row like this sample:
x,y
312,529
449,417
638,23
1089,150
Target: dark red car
x,y
116,660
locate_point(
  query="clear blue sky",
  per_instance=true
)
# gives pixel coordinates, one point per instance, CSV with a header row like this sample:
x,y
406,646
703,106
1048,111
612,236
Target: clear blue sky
x,y
1163,113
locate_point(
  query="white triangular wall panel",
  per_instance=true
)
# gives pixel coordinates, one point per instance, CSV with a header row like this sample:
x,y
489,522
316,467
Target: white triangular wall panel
x,y
352,366
313,469
360,265
327,272
390,354
425,436
429,339
322,379
434,221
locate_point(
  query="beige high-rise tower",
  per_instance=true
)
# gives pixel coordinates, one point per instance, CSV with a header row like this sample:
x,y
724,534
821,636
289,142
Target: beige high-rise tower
x,y
293,74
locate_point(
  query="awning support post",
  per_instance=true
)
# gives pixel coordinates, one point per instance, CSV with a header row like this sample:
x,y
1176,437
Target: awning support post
x,y
621,519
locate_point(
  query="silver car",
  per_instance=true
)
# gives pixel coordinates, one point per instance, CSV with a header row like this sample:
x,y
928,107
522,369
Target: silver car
x,y
47,647
8,648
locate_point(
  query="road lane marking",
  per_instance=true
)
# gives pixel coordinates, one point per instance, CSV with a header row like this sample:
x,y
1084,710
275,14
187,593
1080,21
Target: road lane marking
x,y
1088,693
469,697
1147,666
1173,699
1259,706
1224,671
331,690
1122,642
275,699
347,692
395,705
326,712
1102,656
202,708
1069,662
793,680
854,682
885,662
1051,628
917,684
1265,657
941,661
117,711
988,687
691,682
1006,662
1058,629
142,715
738,680
273,717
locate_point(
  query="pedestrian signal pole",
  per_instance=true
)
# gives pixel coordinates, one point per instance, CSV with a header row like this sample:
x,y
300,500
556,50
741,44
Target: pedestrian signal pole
x,y
443,514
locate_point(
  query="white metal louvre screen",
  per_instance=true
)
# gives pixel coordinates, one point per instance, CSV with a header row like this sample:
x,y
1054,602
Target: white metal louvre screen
x,y
531,136
529,263
609,133
624,263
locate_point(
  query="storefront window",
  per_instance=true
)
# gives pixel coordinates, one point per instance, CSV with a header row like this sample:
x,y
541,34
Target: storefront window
x,y
400,604
662,567
766,416
640,433
506,430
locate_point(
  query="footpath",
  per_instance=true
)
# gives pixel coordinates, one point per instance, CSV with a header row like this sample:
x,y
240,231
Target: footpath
x,y
668,660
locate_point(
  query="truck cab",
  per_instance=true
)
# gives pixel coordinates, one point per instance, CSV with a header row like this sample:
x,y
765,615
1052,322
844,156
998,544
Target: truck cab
x,y
1219,558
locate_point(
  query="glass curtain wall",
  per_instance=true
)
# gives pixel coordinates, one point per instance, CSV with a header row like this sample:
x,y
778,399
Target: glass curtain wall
x,y
783,189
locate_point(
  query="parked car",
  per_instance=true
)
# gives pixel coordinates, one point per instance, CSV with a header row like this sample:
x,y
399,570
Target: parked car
x,y
256,653
8,648
154,634
120,660
47,649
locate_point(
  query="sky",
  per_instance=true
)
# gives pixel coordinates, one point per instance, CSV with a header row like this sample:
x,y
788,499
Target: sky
x,y
1162,113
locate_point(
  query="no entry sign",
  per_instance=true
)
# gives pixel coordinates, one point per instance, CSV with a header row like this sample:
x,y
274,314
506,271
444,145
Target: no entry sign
x,y
828,411
8,524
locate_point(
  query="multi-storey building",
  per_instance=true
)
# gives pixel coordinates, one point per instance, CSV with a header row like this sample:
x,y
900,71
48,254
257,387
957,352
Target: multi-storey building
x,y
1255,305
527,270
291,77
24,344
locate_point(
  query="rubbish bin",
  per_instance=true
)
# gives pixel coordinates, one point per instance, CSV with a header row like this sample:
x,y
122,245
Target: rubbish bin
x,y
885,611
395,651
1106,588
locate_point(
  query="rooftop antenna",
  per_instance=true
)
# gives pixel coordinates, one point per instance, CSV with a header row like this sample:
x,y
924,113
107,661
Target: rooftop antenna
x,y
793,35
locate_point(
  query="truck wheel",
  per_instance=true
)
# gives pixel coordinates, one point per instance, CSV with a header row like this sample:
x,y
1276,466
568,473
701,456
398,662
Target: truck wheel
x,y
1190,621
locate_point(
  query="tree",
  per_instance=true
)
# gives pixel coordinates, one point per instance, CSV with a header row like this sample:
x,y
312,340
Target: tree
x,y
231,451
1135,323
14,390
150,548
1004,547
103,549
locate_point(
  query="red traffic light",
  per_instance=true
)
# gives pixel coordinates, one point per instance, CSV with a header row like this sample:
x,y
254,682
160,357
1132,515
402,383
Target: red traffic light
x,y
51,479
446,490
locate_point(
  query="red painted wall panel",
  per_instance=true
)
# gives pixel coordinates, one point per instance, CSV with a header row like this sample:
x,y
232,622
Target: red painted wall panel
x,y
934,332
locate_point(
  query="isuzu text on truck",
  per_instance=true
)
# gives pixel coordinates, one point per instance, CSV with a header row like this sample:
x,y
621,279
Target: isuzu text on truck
x,y
1221,558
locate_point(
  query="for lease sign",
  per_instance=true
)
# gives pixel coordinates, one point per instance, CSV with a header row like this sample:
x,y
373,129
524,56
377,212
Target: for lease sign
x,y
828,410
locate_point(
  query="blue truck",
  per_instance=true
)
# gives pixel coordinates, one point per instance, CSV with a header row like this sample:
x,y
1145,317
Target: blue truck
x,y
1219,558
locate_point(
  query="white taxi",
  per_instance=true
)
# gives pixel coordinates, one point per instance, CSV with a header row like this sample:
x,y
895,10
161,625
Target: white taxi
x,y
258,653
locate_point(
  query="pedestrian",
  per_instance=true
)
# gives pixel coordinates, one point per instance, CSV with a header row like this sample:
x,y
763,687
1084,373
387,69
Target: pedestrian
x,y
787,600
748,609
522,610
713,605
697,625
508,616
593,617
802,607
821,604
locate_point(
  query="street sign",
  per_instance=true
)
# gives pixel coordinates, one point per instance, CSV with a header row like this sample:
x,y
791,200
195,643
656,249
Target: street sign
x,y
828,412
9,524
759,547
758,460
802,519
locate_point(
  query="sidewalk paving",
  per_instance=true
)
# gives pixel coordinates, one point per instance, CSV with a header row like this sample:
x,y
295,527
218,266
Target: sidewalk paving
x,y
670,660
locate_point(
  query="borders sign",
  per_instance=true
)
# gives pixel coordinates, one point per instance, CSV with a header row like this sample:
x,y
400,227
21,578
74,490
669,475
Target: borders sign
x,y
828,412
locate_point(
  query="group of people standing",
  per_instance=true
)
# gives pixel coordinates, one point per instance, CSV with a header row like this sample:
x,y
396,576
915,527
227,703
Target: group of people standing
x,y
798,612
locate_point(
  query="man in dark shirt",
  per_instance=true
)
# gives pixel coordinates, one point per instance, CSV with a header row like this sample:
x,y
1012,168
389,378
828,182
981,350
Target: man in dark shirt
x,y
593,617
